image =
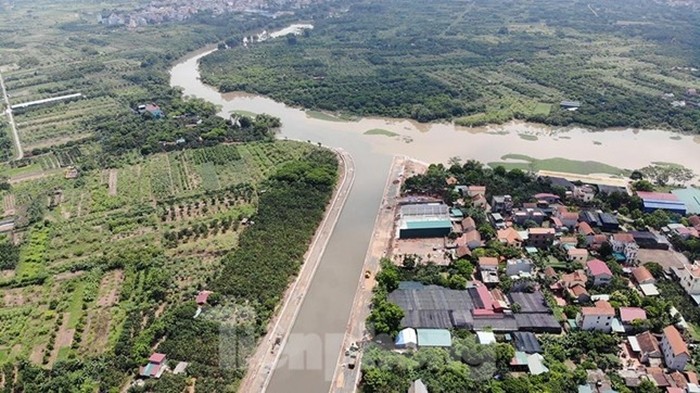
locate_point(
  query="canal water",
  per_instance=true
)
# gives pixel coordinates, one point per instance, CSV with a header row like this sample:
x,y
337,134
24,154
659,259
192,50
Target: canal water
x,y
324,314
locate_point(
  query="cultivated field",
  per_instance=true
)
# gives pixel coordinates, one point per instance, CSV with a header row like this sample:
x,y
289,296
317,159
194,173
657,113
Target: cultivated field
x,y
61,302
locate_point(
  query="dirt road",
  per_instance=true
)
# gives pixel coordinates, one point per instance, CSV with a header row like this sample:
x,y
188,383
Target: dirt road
x,y
267,354
11,120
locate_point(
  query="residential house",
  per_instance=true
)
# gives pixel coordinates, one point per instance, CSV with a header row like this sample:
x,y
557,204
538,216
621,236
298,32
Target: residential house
x,y
520,217
497,220
689,276
577,255
568,219
519,267
468,224
154,110
584,193
675,350
546,197
555,222
623,243
568,241
599,271
647,347
473,191
579,294
694,221
594,242
202,297
540,237
575,285
642,275
471,239
155,367
480,202
488,267
509,236
590,217
598,318
608,222
585,229
502,204
649,240
630,314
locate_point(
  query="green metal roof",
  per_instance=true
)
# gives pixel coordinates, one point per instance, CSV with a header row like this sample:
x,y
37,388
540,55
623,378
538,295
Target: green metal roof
x,y
434,338
427,224
691,198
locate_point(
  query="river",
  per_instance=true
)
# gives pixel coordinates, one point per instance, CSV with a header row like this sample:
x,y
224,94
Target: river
x,y
324,314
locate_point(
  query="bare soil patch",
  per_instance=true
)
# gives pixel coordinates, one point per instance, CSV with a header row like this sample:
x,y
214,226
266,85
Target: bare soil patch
x,y
14,297
9,205
64,338
113,182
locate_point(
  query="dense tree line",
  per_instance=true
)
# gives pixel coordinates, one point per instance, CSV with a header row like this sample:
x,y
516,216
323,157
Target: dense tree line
x,y
270,252
393,58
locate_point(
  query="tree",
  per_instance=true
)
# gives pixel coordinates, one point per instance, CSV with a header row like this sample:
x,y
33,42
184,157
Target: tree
x,y
643,185
655,269
388,277
385,318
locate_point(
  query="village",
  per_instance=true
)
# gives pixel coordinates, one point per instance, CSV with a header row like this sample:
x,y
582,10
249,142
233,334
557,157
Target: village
x,y
521,270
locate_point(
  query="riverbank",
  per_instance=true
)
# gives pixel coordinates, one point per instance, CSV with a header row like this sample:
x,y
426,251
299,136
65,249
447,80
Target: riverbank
x,y
269,349
345,379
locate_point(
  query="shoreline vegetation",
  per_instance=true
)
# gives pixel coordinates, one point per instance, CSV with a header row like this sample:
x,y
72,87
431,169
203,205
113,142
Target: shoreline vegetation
x,y
499,63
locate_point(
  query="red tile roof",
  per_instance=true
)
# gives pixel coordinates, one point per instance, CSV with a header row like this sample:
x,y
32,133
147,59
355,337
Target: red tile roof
x,y
675,339
578,252
692,377
488,261
657,196
570,216
629,314
484,295
584,228
601,308
642,274
596,267
648,343
509,235
541,231
577,277
623,237
463,251
577,290
694,221
679,380
468,224
549,272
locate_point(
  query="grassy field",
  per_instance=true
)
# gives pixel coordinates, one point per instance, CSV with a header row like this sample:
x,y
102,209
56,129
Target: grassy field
x,y
124,208
511,161
380,131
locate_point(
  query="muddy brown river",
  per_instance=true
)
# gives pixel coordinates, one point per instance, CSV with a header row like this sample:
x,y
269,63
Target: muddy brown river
x,y
315,340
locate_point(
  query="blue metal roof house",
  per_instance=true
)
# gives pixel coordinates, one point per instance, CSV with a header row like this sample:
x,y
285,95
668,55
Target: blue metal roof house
x,y
662,201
